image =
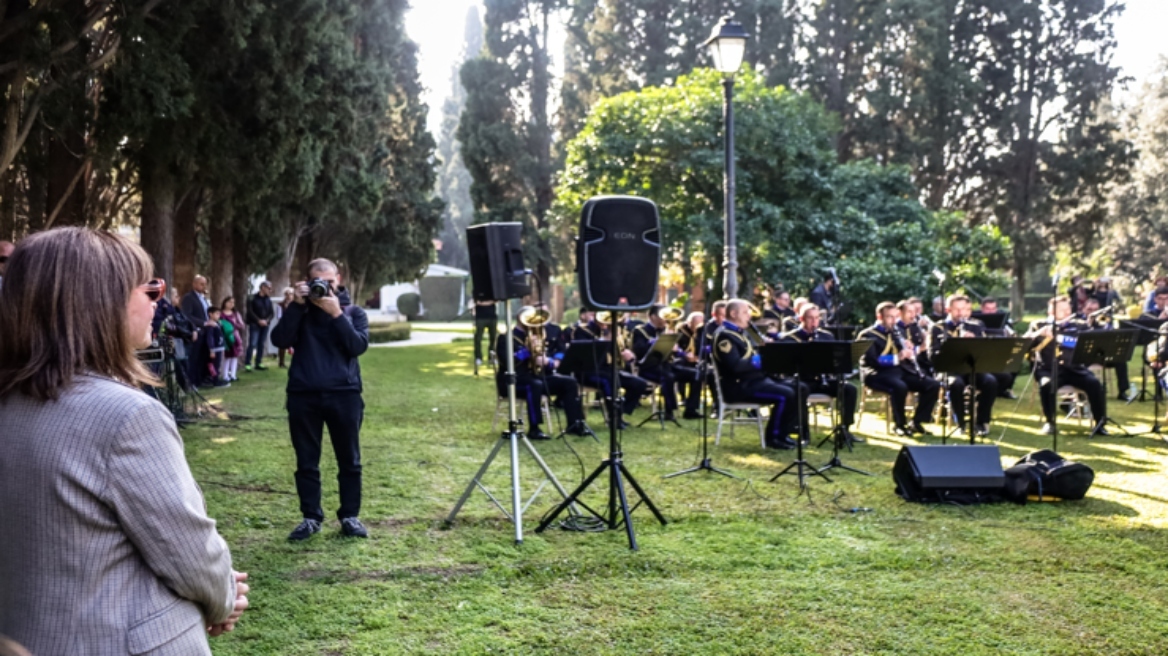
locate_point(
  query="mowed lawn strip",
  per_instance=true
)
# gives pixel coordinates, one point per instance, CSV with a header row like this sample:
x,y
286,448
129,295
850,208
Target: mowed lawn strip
x,y
744,567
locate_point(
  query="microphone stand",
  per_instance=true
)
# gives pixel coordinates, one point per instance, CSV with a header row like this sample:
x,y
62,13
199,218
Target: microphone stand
x,y
703,370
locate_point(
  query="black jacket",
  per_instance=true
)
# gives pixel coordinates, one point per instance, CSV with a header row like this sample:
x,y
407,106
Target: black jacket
x,y
260,308
326,348
192,308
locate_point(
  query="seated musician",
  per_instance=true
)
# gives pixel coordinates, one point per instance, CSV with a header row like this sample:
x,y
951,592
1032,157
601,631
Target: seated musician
x,y
780,308
910,326
1103,319
685,365
1158,357
584,330
634,387
1159,305
1150,302
1077,376
889,367
658,371
1006,380
534,378
792,322
743,380
554,334
956,325
809,331
717,320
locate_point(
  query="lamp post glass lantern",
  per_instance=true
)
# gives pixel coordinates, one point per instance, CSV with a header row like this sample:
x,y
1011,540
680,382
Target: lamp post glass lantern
x,y
727,46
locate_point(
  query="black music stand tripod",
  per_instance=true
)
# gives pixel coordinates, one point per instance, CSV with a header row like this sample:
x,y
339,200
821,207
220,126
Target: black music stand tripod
x,y
579,359
1147,332
618,511
659,355
796,359
703,373
966,356
1104,348
845,357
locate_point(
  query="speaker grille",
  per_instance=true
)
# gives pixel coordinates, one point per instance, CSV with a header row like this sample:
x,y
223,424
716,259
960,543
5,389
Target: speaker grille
x,y
619,253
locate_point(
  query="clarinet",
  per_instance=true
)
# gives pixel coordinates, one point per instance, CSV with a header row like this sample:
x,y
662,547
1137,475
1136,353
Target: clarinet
x,y
902,338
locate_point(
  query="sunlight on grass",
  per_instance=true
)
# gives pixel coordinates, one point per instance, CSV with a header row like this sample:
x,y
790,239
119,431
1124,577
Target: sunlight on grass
x,y
222,440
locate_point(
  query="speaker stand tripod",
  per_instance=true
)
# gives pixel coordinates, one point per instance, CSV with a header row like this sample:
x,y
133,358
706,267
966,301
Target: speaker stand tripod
x,y
512,438
618,511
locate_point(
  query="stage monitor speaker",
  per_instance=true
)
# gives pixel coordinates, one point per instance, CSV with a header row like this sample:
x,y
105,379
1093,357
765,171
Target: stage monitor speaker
x,y
618,253
960,474
496,261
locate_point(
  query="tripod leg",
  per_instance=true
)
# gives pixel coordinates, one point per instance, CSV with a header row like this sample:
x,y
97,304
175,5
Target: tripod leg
x,y
572,498
645,497
619,487
516,495
475,481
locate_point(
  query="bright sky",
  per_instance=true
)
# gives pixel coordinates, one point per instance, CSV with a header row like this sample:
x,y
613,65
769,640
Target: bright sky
x,y
437,26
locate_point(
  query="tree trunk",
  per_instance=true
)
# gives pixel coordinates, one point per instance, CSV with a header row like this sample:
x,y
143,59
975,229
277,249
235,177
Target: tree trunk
x,y
280,275
67,179
157,231
186,240
541,146
240,270
1018,291
222,252
8,204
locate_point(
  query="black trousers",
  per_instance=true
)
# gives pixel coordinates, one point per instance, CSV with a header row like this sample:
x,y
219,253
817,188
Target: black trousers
x,y
634,387
987,392
782,399
687,379
1005,382
562,388
664,377
484,326
1080,379
897,383
1122,380
847,406
308,414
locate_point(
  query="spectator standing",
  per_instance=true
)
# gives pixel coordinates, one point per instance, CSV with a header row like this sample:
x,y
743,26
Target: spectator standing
x,y
329,333
107,548
194,304
260,313
234,332
289,298
486,317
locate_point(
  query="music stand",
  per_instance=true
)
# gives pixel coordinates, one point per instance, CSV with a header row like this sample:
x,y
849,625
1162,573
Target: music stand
x,y
798,359
1104,348
970,355
843,333
991,320
615,467
846,357
1147,331
658,355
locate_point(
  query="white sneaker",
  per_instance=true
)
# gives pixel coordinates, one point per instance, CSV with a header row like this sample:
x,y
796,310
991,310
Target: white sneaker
x,y
478,362
1047,429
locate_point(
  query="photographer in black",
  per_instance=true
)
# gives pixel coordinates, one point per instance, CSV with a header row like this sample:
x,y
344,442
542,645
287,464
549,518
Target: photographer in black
x,y
328,333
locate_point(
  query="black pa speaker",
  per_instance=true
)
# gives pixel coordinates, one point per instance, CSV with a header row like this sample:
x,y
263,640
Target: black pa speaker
x,y
961,474
618,253
496,261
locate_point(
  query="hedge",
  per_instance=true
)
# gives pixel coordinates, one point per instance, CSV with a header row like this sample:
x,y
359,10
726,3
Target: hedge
x,y
389,332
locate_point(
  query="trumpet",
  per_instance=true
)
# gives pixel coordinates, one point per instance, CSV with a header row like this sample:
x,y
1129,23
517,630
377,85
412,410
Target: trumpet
x,y
534,319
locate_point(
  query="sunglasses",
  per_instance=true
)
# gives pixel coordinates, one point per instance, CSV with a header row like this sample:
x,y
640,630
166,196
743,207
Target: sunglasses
x,y
155,289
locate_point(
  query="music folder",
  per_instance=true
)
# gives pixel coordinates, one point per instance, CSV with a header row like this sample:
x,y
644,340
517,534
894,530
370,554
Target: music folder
x,y
660,352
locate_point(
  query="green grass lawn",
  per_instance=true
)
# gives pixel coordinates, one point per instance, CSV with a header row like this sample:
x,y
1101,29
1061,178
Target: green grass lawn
x,y
740,569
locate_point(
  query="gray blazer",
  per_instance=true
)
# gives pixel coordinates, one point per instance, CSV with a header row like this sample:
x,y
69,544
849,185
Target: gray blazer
x,y
105,545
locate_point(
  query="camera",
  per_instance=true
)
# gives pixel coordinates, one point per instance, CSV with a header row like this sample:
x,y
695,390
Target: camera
x,y
318,288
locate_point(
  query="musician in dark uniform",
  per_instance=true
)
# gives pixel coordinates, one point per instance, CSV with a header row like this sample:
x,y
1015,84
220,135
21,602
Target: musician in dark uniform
x,y
1158,357
717,320
889,367
910,326
601,378
685,364
534,380
780,308
989,305
809,331
744,381
584,330
1103,319
1077,376
660,372
554,334
958,325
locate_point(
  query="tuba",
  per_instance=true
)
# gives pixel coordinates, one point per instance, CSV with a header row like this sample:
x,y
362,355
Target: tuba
x,y
671,316
534,319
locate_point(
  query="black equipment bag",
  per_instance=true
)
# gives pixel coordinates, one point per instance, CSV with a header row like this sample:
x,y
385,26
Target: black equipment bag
x,y
1048,474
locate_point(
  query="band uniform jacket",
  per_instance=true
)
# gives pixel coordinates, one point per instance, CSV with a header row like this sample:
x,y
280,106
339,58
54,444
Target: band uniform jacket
x,y
107,549
644,337
941,332
1045,349
883,353
737,362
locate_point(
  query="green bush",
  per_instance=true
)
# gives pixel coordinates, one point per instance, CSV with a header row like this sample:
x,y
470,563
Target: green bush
x,y
389,332
410,305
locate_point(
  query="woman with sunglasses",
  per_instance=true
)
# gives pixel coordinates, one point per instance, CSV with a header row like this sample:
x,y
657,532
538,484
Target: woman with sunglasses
x,y
107,548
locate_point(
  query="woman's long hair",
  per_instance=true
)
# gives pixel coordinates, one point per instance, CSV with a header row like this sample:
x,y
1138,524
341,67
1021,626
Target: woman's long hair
x,y
63,311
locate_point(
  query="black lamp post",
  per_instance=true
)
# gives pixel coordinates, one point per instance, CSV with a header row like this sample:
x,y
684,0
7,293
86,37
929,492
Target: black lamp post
x,y
727,45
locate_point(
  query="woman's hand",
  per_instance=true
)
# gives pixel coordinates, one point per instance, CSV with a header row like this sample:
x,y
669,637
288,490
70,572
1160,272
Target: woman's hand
x,y
228,625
